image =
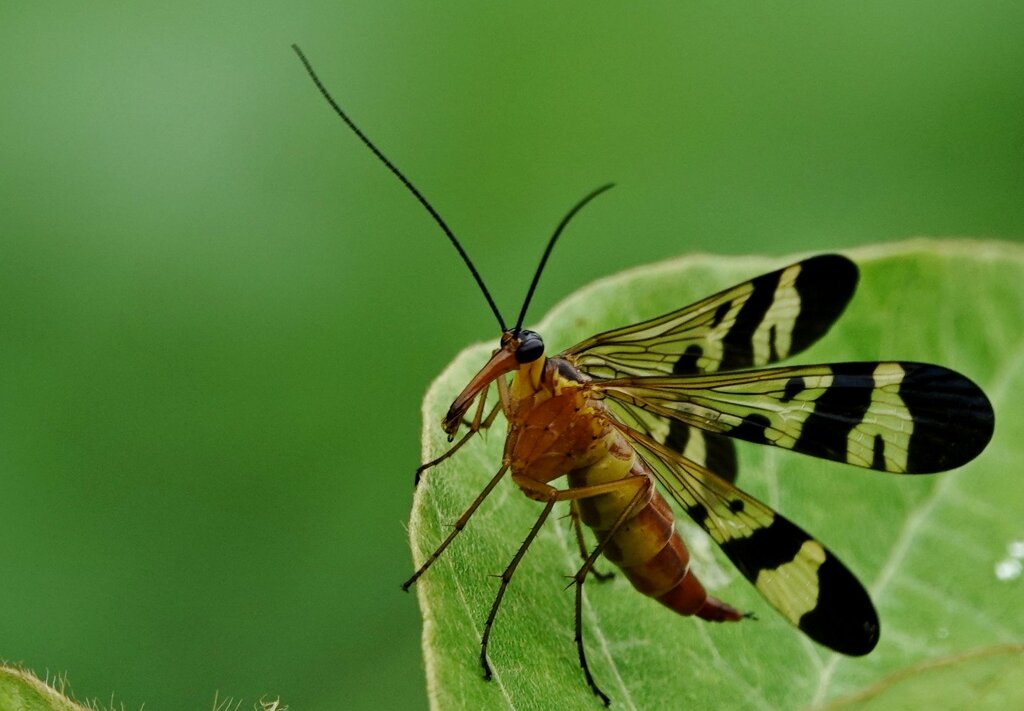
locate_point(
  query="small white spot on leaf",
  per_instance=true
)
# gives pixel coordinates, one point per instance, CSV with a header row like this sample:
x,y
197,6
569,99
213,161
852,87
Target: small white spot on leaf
x,y
1009,569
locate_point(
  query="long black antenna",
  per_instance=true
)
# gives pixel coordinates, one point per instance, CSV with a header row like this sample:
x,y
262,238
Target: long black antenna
x,y
551,245
405,181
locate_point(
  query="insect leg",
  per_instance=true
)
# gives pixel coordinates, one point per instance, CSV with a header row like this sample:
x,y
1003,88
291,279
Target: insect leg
x,y
581,577
578,528
457,528
475,426
506,577
535,489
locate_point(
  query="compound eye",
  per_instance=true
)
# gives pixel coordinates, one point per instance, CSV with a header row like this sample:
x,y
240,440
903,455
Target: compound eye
x,y
531,347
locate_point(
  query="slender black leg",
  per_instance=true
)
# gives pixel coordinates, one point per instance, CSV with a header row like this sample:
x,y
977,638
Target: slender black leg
x,y
506,577
581,577
578,528
457,528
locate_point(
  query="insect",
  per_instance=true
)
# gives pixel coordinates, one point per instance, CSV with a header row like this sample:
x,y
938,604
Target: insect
x,y
658,403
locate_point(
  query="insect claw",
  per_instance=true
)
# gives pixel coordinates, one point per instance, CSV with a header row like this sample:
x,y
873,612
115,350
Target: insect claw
x,y
486,666
750,616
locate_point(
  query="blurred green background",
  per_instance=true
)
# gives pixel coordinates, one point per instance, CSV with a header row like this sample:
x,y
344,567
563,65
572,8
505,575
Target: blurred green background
x,y
218,313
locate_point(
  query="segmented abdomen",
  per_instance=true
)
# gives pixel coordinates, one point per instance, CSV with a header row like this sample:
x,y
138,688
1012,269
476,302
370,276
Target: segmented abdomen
x,y
559,429
646,545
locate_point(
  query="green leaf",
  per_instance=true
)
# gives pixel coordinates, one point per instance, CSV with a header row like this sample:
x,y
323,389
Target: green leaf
x,y
985,678
20,690
940,554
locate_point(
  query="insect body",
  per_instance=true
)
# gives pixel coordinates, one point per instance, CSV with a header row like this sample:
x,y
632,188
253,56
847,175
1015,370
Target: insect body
x,y
559,425
597,413
658,403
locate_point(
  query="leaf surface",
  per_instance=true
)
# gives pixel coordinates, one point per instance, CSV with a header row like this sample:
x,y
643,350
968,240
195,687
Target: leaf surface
x,y
22,691
941,555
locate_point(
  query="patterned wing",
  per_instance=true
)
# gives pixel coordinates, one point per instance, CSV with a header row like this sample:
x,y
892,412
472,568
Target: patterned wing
x,y
796,574
708,449
752,324
757,322
900,417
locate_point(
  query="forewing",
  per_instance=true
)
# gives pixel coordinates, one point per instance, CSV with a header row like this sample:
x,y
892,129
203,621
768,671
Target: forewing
x,y
761,321
796,574
708,449
900,417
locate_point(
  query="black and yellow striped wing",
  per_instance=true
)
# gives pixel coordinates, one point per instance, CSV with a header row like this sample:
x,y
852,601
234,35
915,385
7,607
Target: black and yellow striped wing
x,y
751,324
900,417
707,449
795,573
680,386
761,321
